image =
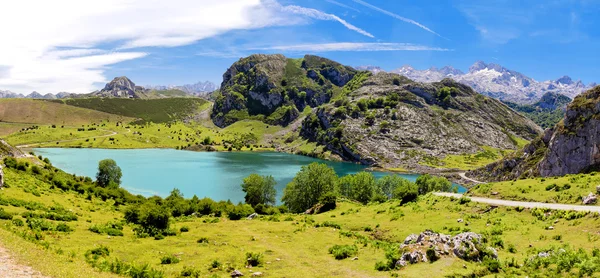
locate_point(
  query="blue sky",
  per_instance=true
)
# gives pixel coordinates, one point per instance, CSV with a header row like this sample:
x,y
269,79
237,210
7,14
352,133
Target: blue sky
x,y
192,41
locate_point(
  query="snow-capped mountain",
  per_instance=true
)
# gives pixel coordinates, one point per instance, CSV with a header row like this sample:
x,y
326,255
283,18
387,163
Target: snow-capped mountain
x,y
499,82
192,89
373,69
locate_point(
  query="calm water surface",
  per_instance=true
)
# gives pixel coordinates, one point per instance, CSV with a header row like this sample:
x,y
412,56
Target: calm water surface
x,y
216,175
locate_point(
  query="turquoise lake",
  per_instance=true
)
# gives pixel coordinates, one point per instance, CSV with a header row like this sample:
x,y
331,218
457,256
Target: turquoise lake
x,y
216,175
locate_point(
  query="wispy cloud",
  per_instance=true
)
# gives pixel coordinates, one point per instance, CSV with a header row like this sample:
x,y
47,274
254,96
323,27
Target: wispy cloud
x,y
407,20
328,47
67,45
343,5
316,14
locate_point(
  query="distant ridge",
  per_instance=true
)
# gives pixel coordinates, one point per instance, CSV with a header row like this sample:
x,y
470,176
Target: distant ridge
x,y
495,81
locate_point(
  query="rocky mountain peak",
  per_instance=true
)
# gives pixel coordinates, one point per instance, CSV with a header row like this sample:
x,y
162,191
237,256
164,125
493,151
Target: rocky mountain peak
x,y
477,66
121,87
565,80
449,70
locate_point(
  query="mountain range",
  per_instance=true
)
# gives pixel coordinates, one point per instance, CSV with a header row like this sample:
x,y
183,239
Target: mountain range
x,y
123,87
495,81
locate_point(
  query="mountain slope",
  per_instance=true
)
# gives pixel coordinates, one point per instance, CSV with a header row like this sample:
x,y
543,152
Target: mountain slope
x,y
393,122
568,148
546,112
498,82
273,88
45,112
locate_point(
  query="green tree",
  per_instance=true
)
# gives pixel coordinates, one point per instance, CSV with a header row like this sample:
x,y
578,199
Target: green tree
x,y
109,174
363,187
406,192
307,187
428,183
388,184
259,190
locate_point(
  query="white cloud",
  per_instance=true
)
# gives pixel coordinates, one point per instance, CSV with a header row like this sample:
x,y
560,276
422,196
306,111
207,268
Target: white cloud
x,y
407,20
325,47
342,5
350,46
62,45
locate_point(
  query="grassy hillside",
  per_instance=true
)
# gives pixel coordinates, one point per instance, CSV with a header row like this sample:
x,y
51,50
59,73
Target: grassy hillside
x,y
31,111
568,189
286,244
148,110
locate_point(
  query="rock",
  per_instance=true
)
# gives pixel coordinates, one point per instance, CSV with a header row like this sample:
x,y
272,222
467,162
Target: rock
x,y
494,193
252,216
550,228
543,254
237,273
464,245
355,258
121,87
459,220
598,189
257,274
590,199
1,176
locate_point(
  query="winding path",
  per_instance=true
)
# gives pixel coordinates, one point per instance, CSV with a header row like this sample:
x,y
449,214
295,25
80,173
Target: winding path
x,y
464,176
11,269
508,203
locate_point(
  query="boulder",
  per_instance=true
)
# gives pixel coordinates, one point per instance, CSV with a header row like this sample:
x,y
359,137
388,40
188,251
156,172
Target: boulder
x,y
590,199
237,273
252,216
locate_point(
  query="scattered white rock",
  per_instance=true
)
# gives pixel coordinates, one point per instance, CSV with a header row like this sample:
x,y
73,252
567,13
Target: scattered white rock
x,y
590,199
237,273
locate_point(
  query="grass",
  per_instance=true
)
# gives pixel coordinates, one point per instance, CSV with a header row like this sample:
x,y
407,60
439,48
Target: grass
x,y
44,112
147,110
469,161
568,189
277,247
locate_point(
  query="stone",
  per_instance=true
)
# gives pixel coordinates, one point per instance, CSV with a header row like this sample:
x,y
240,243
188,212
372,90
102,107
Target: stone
x,y
1,177
257,274
459,220
237,273
550,228
598,189
355,258
252,216
590,199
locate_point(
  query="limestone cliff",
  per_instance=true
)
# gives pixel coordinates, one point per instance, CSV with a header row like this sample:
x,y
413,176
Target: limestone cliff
x,y
572,146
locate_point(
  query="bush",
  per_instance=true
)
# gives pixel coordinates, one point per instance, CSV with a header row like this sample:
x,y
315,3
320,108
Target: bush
x,y
101,251
18,222
202,240
5,215
254,259
170,259
492,265
62,227
431,255
190,272
307,187
184,229
341,252
328,201
36,170
240,211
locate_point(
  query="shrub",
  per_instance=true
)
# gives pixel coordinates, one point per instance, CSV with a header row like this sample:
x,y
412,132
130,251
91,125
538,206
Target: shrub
x,y
254,259
240,211
431,255
202,240
328,201
62,227
169,259
307,187
341,252
190,272
18,222
5,215
216,265
101,251
36,170
184,229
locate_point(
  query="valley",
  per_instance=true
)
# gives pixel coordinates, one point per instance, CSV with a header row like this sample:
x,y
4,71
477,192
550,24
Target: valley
x,y
308,132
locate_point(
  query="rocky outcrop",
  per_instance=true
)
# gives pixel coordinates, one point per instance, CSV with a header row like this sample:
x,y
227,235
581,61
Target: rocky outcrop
x,y
466,246
572,146
1,176
391,121
121,87
274,88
